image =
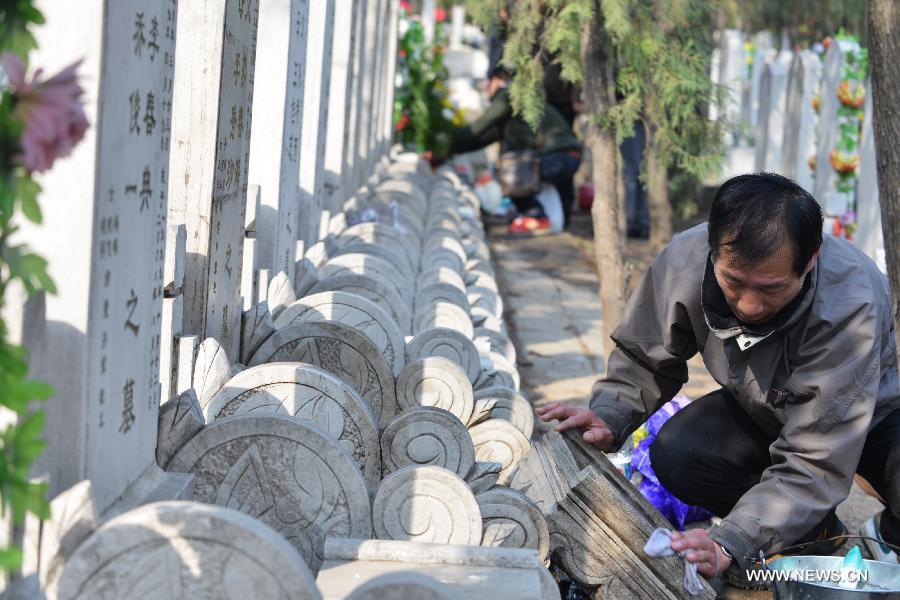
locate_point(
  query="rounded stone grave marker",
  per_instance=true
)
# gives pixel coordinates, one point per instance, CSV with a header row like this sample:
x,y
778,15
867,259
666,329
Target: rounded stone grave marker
x,y
444,314
308,392
499,342
340,350
371,266
286,472
499,441
515,409
356,311
424,435
440,292
436,257
379,233
446,343
441,275
436,381
511,520
182,549
426,504
447,242
372,289
388,252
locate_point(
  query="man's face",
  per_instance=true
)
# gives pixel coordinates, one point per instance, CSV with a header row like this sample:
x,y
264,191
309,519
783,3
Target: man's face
x,y
756,293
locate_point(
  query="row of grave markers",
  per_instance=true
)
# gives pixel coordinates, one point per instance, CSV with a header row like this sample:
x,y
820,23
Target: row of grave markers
x,y
192,103
772,98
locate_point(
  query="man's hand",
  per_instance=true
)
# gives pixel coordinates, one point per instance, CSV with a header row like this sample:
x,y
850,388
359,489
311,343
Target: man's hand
x,y
596,430
702,551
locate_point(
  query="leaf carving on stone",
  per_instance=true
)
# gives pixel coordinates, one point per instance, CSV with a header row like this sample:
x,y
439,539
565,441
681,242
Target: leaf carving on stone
x,y
246,486
211,371
256,326
280,293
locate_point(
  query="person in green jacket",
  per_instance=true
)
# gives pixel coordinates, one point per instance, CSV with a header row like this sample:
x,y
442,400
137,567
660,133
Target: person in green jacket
x,y
554,141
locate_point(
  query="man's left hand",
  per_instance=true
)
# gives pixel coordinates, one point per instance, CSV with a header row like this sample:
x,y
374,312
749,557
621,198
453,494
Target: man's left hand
x,y
701,550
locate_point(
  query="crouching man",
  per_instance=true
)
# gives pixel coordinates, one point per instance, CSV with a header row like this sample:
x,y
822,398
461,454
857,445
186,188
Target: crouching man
x,y
798,331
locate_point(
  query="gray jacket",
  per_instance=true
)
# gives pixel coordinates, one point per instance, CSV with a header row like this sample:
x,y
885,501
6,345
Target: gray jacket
x,y
816,379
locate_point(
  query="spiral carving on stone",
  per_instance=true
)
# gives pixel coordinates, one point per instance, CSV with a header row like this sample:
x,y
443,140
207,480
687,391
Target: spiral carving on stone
x,y
499,441
444,314
515,409
511,520
423,435
446,343
426,504
438,382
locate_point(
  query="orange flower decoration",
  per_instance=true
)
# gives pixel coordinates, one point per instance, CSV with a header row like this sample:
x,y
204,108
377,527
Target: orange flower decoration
x,y
812,162
851,94
843,163
816,102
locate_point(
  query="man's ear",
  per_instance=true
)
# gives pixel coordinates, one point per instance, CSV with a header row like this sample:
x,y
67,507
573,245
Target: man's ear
x,y
812,261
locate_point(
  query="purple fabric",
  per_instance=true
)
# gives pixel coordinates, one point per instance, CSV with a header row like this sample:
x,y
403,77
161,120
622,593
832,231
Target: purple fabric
x,y
677,512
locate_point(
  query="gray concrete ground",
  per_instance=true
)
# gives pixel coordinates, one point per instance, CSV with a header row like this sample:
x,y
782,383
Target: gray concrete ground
x,y
552,308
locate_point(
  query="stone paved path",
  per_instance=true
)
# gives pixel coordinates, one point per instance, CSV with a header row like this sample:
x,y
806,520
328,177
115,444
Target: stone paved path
x,y
553,311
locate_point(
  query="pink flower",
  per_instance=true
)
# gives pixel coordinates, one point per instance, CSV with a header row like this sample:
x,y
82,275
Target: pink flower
x,y
440,15
406,6
51,111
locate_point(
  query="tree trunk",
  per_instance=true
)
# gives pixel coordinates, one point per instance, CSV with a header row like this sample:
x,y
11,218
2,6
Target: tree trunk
x,y
657,193
598,86
884,48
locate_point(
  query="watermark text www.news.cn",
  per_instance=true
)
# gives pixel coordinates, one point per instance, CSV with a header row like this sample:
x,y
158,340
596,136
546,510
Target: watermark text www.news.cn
x,y
808,575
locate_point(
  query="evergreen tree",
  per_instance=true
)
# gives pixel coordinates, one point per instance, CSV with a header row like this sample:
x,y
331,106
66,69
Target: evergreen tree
x,y
644,60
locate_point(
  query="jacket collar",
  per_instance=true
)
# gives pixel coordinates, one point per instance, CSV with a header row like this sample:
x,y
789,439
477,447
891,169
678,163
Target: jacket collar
x,y
724,325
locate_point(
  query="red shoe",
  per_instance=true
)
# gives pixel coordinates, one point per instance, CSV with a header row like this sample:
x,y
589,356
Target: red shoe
x,y
529,226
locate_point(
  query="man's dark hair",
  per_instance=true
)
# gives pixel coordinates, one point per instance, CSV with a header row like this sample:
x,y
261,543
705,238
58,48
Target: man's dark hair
x,y
753,215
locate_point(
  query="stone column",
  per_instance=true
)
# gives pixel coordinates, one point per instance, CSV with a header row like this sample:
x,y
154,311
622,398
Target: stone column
x,y
770,125
275,141
346,16
348,182
869,236
389,88
800,133
364,114
210,159
826,178
317,82
104,236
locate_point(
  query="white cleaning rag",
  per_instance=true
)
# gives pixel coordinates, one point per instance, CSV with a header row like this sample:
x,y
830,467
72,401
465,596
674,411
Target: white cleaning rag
x,y
660,544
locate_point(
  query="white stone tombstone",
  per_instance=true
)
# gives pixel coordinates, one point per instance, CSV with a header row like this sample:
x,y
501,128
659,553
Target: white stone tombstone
x,y
388,116
732,71
381,95
770,125
826,179
458,22
212,103
751,109
800,130
358,57
364,114
428,7
345,16
317,84
104,235
275,144
869,236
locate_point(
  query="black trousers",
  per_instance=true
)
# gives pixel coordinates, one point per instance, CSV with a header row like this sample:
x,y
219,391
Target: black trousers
x,y
711,453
